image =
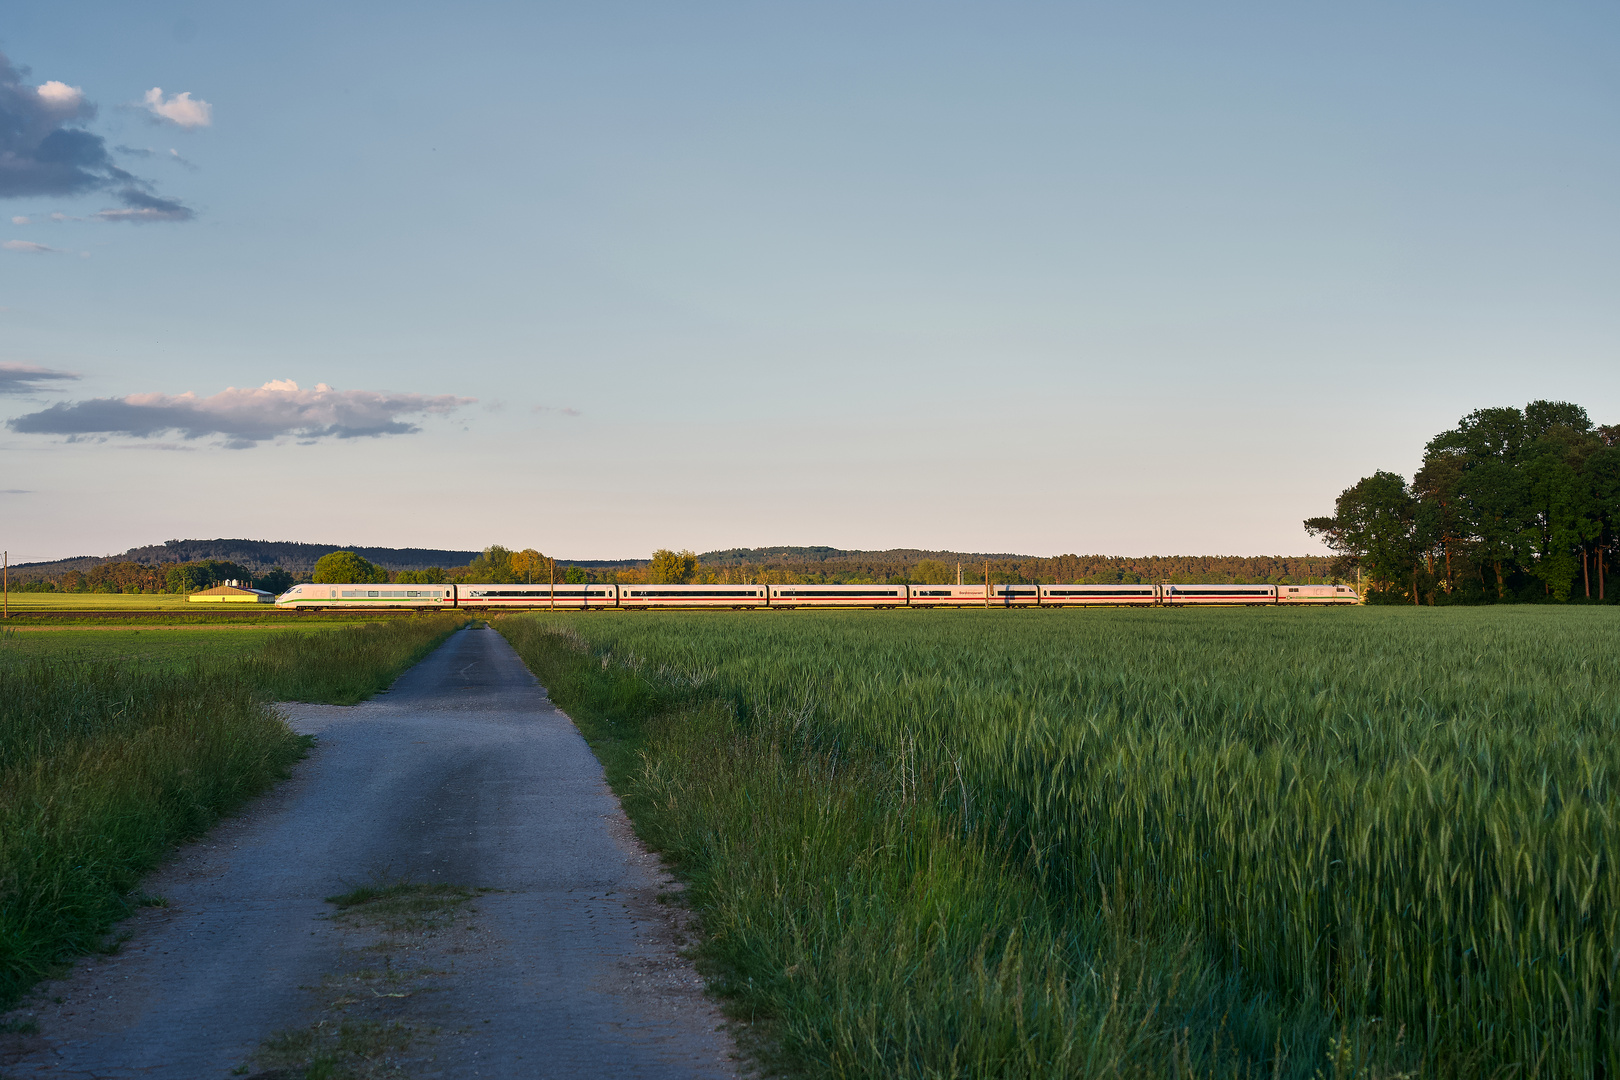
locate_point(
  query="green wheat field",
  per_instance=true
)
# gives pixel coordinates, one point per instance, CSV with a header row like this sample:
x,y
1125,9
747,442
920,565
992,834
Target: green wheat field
x,y
1370,842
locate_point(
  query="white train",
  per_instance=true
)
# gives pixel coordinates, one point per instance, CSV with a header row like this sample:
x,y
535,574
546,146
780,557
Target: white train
x,y
788,597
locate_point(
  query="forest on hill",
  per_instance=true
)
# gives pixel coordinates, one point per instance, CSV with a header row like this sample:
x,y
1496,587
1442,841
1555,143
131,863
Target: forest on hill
x,y
138,568
1511,505
249,556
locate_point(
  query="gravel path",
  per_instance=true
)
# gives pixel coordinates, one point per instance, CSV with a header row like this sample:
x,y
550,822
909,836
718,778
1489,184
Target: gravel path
x,y
563,963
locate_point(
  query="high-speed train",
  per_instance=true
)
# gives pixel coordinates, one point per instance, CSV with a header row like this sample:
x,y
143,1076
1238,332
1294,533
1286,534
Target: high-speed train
x,y
788,597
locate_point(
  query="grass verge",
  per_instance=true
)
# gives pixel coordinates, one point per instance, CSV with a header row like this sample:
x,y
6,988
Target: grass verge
x,y
102,770
105,766
342,667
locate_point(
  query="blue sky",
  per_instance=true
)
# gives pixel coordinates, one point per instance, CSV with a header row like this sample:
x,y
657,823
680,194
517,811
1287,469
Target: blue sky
x,y
1128,279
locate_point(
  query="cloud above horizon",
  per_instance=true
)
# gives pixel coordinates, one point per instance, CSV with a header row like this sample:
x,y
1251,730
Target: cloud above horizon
x,y
27,379
179,109
243,418
44,151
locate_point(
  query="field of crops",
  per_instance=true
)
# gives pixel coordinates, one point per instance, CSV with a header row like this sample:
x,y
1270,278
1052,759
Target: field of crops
x,y
1255,842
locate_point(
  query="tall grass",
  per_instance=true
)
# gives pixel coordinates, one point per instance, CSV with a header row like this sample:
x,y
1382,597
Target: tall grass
x,y
102,769
1267,841
105,766
342,667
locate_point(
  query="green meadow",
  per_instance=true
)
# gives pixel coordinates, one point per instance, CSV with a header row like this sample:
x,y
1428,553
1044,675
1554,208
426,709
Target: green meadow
x,y
144,646
118,743
131,602
1279,843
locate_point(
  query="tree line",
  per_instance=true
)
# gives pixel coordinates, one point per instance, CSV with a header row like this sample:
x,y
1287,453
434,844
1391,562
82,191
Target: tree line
x,y
782,566
1511,505
820,565
125,576
947,568
495,564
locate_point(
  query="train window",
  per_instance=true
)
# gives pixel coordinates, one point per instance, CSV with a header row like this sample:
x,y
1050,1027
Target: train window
x,y
373,592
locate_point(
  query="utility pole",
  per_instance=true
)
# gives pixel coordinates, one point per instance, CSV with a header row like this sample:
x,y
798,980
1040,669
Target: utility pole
x,y
987,583
7,576
552,592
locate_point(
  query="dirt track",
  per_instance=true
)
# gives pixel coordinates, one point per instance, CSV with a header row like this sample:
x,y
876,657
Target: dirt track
x,y
465,775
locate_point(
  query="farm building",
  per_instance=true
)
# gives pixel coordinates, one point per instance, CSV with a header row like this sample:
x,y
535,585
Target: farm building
x,y
231,593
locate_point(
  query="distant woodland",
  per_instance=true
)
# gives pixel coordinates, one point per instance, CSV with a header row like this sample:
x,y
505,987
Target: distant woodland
x,y
277,566
1511,505
907,565
820,565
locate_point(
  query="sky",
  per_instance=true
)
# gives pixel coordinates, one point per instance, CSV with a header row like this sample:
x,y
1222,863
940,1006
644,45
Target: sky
x,y
1156,278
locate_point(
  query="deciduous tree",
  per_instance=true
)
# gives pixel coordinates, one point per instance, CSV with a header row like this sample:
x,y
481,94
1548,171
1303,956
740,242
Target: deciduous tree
x,y
529,565
672,567
932,572
347,568
1373,524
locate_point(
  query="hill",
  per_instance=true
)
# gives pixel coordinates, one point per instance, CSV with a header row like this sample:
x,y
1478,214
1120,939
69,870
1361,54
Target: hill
x,y
259,556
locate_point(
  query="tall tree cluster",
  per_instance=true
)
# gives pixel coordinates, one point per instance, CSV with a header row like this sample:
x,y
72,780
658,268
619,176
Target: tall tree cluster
x,y
1509,505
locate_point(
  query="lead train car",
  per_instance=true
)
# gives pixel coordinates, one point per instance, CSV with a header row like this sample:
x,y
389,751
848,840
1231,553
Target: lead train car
x,y
490,597
315,597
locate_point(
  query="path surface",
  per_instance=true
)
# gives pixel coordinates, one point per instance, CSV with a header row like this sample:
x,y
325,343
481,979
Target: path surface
x,y
463,773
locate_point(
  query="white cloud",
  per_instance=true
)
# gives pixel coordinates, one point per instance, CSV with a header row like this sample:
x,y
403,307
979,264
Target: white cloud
x,y
61,99
21,220
243,417
27,246
179,109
